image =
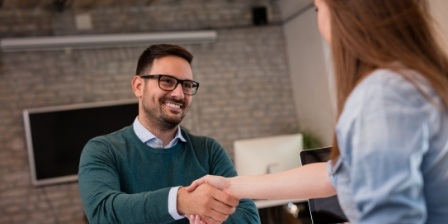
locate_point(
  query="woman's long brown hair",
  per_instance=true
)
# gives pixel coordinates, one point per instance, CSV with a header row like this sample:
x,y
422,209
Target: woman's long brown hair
x,y
371,34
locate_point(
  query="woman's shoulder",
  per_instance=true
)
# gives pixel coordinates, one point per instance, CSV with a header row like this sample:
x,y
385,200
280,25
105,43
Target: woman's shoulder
x,y
384,83
385,88
385,77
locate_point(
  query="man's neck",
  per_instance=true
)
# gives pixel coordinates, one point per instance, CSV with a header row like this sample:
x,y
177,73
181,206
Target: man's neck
x,y
162,133
165,135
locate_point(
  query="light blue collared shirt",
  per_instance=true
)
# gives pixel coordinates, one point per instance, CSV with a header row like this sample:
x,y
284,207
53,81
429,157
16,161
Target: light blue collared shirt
x,y
148,138
393,164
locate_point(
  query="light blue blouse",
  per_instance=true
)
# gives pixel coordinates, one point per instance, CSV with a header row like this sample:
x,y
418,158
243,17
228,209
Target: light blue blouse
x,y
393,142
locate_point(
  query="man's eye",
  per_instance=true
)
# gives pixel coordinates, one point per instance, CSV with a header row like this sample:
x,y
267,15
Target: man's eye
x,y
188,85
168,81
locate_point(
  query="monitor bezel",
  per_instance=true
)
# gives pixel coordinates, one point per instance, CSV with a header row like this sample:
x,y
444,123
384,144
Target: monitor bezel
x,y
29,136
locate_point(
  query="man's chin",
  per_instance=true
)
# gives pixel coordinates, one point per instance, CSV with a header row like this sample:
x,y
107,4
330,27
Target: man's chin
x,y
172,123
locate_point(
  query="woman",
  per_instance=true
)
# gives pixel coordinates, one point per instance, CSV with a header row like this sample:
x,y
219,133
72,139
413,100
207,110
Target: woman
x,y
390,156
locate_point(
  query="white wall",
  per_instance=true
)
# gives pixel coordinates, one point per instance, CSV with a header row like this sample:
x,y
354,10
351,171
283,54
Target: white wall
x,y
308,70
310,73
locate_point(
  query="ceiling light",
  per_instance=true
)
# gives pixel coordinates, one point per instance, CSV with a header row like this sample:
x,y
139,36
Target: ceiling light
x,y
104,41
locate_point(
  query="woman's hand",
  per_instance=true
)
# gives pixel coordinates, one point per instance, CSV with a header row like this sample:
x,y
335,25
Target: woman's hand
x,y
195,219
219,182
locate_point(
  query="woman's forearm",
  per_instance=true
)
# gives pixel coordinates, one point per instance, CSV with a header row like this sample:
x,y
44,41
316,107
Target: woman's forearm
x,y
309,181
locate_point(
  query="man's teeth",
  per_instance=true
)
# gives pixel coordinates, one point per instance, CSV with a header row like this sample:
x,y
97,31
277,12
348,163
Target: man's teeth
x,y
173,105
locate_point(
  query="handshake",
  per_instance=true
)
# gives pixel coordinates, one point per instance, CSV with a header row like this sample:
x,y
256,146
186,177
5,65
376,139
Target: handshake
x,y
212,199
207,200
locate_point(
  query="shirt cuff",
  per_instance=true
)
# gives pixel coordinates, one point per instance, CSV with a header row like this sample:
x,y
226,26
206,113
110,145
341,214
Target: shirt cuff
x,y
172,204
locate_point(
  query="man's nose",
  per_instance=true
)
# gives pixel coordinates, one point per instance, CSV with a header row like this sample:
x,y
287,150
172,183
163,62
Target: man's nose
x,y
178,91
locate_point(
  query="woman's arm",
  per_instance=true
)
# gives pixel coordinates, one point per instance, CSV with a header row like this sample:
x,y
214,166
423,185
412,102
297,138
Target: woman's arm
x,y
309,181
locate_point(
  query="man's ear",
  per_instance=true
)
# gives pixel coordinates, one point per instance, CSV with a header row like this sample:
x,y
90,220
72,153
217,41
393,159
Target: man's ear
x,y
137,86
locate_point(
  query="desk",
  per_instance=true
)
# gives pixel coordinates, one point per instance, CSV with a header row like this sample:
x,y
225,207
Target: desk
x,y
272,203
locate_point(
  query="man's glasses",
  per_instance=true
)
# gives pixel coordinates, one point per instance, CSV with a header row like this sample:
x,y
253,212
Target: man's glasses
x,y
169,83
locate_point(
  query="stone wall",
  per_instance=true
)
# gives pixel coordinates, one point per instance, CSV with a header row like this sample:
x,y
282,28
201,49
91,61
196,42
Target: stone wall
x,y
245,88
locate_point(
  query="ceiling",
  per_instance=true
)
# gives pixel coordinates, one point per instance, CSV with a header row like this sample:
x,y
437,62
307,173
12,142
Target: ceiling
x,y
287,7
61,5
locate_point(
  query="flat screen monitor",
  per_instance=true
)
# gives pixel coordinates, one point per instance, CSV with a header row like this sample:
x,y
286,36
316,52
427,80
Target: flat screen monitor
x,y
56,135
323,210
267,154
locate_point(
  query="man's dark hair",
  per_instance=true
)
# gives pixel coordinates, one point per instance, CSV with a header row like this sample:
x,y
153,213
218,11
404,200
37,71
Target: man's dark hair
x,y
160,50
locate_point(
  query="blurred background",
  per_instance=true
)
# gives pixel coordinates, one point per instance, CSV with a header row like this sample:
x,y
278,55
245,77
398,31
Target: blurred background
x,y
264,72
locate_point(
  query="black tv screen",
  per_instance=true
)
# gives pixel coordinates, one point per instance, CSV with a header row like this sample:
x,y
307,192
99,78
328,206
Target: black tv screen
x,y
56,135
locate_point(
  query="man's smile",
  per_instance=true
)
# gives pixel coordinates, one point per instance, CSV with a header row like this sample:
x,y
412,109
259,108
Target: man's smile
x,y
173,105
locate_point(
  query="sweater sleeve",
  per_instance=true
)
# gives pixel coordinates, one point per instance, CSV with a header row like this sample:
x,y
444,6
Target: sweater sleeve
x,y
103,200
221,165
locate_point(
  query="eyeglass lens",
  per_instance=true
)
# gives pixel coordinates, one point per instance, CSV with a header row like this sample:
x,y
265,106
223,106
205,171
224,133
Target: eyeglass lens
x,y
170,83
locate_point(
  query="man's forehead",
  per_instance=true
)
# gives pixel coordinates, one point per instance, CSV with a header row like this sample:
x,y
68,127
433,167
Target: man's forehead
x,y
171,65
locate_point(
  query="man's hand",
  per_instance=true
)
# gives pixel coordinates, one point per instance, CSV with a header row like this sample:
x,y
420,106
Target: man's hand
x,y
209,203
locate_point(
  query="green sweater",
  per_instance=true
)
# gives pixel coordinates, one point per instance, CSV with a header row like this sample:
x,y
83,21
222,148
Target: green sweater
x,y
122,180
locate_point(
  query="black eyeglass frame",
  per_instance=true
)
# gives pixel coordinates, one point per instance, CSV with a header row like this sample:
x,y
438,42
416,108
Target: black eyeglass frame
x,y
159,76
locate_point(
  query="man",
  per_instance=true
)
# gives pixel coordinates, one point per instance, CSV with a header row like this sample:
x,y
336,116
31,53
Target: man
x,y
133,175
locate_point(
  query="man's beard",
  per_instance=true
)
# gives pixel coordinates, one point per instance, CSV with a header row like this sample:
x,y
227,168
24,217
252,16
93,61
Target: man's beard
x,y
160,119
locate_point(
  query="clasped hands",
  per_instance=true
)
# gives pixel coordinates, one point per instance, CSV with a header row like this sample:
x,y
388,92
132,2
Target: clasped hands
x,y
207,200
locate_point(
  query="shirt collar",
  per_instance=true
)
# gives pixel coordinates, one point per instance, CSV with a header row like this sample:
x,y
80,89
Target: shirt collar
x,y
145,135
